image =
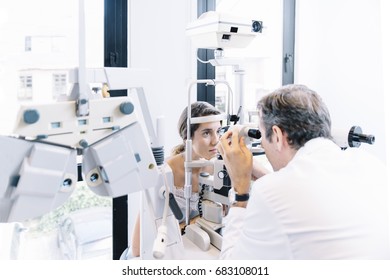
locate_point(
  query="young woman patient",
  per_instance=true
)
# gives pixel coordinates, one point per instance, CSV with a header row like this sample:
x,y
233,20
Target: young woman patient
x,y
204,138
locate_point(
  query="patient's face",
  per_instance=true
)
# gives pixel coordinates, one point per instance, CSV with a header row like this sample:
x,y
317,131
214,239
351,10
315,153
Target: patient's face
x,y
205,140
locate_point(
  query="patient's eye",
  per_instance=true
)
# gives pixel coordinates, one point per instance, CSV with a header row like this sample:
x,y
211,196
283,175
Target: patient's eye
x,y
206,133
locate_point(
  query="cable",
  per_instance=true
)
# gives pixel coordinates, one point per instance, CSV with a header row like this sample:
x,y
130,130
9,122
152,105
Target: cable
x,y
200,209
200,60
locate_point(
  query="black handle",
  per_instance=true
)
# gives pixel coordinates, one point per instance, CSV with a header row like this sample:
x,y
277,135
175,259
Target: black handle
x,y
175,207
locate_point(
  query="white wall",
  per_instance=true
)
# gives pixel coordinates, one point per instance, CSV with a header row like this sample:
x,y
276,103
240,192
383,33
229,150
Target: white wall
x,y
157,42
385,20
338,54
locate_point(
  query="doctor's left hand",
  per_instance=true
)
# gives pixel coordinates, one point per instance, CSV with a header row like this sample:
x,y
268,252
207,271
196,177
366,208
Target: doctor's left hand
x,y
237,159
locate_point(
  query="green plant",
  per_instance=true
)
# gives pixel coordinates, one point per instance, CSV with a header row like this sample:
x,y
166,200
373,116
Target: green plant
x,y
82,197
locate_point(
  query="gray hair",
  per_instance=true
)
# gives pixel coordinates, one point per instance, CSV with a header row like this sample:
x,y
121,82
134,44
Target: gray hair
x,y
297,111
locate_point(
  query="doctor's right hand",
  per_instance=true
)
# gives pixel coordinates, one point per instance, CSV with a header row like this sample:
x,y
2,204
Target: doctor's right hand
x,y
237,159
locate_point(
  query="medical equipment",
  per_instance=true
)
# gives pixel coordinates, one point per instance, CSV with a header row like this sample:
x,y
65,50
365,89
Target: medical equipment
x,y
116,146
215,187
352,137
214,197
189,163
216,31
250,134
213,30
220,31
40,166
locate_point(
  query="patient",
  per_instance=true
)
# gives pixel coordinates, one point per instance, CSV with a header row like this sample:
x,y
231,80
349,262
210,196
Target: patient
x,y
204,141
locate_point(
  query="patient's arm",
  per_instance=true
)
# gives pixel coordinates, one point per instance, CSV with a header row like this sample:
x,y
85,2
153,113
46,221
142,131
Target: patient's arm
x,y
136,239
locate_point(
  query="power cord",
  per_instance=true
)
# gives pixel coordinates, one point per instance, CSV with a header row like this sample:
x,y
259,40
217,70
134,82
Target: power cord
x,y
200,209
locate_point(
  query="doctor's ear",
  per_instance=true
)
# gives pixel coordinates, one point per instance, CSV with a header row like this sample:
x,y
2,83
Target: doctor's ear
x,y
278,137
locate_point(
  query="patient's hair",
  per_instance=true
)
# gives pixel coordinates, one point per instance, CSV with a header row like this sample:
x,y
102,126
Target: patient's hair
x,y
198,109
297,111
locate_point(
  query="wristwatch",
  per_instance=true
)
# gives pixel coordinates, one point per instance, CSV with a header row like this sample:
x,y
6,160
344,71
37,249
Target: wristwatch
x,y
235,197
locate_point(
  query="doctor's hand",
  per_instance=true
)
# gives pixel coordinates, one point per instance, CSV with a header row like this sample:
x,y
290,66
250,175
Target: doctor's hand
x,y
237,159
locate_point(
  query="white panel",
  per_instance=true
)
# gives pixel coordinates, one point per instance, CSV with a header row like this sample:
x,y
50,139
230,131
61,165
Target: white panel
x,y
338,54
157,42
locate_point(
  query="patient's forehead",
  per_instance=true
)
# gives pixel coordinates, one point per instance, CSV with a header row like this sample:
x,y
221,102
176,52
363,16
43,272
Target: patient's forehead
x,y
209,125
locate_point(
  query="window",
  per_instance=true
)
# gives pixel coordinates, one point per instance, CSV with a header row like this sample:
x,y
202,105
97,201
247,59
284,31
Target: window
x,y
59,85
27,44
35,59
25,87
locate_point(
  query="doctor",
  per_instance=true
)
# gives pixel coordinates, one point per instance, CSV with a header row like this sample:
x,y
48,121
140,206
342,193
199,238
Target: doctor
x,y
319,203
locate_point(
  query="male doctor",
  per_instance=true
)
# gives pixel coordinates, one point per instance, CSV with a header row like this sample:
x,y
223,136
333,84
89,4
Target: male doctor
x,y
319,203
